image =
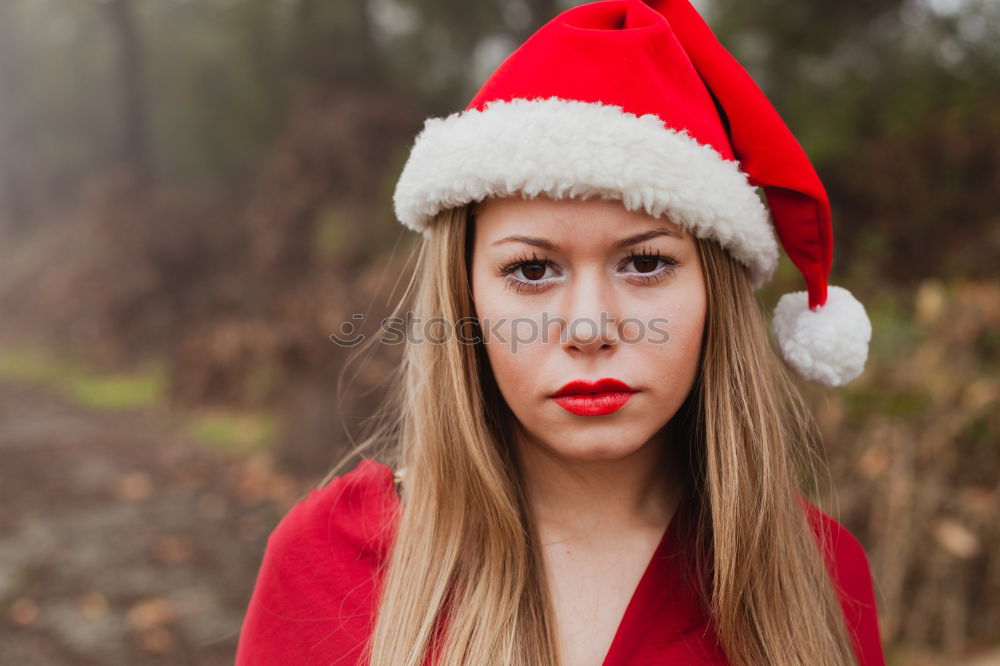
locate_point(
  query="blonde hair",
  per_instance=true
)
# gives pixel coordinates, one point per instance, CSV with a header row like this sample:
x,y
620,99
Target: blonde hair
x,y
466,556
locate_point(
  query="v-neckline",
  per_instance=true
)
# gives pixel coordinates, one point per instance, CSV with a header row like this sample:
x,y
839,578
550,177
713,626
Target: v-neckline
x,y
646,599
658,581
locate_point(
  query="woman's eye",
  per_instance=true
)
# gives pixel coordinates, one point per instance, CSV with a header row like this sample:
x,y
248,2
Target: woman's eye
x,y
648,269
532,270
528,273
645,264
534,273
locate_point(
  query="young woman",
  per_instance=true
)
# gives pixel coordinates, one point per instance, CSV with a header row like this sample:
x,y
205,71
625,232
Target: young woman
x,y
598,454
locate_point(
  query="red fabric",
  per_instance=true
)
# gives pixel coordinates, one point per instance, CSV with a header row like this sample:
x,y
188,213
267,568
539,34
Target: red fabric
x,y
313,602
611,52
767,150
660,57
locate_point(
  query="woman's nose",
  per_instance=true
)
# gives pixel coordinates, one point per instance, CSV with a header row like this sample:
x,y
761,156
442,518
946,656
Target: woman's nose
x,y
590,313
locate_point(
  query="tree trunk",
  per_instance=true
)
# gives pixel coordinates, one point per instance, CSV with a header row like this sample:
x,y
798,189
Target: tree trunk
x,y
13,204
133,148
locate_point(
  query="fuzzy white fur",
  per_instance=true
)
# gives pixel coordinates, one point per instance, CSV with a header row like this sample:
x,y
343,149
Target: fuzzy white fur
x,y
568,148
828,346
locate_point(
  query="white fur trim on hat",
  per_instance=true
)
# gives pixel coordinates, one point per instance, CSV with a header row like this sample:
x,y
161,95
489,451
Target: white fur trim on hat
x,y
569,148
829,345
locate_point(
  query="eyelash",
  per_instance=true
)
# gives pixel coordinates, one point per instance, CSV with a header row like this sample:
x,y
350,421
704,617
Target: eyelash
x,y
651,278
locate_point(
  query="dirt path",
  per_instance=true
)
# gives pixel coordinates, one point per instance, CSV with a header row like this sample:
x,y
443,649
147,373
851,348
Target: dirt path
x,y
122,540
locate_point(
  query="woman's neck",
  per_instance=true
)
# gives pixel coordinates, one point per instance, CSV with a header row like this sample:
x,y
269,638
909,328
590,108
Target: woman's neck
x,y
578,499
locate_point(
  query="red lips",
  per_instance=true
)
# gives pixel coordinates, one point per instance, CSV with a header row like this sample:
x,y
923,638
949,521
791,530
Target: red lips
x,y
581,387
593,398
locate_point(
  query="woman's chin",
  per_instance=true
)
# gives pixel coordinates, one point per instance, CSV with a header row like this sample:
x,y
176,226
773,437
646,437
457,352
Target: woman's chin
x,y
582,450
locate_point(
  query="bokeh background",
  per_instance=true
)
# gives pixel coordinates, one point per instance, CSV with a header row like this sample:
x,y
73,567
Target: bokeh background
x,y
194,194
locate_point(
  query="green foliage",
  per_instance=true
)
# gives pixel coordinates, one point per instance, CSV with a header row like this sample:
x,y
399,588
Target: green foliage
x,y
235,430
120,391
76,379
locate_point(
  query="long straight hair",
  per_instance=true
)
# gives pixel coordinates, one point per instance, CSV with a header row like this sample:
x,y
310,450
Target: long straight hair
x,y
464,582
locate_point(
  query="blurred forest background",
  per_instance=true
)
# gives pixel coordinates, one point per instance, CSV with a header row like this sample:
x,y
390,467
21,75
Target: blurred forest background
x,y
194,194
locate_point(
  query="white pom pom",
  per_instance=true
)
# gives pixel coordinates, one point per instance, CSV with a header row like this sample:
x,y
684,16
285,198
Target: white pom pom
x,y
828,346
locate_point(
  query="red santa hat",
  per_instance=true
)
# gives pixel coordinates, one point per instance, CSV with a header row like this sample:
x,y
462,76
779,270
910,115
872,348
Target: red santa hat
x,y
637,100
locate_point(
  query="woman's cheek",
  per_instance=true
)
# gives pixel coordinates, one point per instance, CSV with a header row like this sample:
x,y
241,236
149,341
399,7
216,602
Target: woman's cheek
x,y
515,377
513,344
687,322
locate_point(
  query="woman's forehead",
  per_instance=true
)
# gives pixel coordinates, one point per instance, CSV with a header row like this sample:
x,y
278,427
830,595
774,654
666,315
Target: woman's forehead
x,y
570,219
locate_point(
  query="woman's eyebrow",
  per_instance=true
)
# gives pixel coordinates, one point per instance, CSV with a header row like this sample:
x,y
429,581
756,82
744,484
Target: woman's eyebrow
x,y
624,242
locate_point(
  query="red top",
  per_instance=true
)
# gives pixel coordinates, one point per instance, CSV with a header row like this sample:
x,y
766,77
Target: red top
x,y
314,598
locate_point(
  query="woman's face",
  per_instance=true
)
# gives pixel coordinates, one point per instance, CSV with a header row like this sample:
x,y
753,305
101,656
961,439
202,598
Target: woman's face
x,y
569,290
